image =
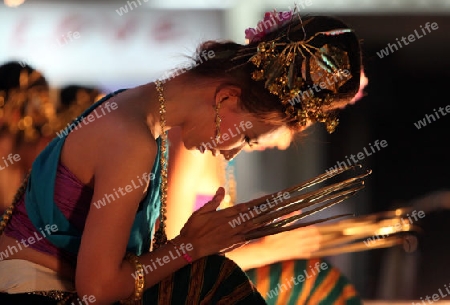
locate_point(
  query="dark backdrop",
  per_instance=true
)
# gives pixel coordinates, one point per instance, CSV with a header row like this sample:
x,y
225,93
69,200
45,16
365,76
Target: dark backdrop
x,y
403,88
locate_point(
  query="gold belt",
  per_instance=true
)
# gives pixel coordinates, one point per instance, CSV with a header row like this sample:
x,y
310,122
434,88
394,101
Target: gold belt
x,y
61,296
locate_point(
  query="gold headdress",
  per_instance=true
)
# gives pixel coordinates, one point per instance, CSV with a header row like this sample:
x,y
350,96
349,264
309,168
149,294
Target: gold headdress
x,y
81,100
291,69
27,108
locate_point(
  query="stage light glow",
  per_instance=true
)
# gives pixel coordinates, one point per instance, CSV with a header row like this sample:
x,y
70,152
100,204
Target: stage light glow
x,y
13,3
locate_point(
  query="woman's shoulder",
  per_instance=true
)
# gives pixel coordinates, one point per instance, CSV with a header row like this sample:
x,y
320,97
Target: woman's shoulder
x,y
114,138
125,134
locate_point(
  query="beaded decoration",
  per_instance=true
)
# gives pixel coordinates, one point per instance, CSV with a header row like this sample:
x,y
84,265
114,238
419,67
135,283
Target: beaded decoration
x,y
290,68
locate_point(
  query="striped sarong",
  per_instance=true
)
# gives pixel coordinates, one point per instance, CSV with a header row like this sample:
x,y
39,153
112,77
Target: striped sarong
x,y
211,280
303,282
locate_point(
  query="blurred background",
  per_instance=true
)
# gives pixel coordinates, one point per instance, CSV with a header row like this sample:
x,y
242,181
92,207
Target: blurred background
x,y
108,45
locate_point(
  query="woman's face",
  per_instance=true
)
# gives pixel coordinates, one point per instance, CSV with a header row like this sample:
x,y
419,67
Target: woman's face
x,y
238,128
237,133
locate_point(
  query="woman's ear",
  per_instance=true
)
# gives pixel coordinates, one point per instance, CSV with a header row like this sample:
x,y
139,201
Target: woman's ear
x,y
226,91
228,95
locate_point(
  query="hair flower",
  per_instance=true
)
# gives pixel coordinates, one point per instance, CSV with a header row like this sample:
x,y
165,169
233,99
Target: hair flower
x,y
271,22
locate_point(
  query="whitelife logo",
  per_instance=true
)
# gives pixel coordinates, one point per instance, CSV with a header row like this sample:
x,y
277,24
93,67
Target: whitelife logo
x,y
428,117
244,216
10,160
226,136
108,198
297,279
370,241
360,155
391,48
109,106
29,241
124,9
185,67
180,251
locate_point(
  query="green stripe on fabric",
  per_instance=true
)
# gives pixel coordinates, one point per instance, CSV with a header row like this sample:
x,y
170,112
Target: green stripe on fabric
x,y
275,278
299,268
335,292
338,290
354,301
320,277
252,275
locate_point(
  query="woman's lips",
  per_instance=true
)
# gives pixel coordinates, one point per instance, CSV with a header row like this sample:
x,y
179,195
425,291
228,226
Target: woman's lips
x,y
214,152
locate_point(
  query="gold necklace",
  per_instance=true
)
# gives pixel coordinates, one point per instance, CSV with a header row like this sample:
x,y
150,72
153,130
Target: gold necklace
x,y
160,235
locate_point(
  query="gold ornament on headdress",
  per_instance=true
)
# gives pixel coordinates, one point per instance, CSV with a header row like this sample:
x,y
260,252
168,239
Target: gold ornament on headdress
x,y
27,108
67,114
291,72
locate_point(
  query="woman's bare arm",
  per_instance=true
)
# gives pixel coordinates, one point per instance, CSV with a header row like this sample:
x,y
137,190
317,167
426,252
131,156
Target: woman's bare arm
x,y
124,156
101,270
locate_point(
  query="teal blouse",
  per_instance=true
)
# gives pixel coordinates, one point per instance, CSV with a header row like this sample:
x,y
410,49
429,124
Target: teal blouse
x,y
42,209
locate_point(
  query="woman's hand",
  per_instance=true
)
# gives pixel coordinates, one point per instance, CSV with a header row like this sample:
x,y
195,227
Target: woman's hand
x,y
296,244
300,243
211,231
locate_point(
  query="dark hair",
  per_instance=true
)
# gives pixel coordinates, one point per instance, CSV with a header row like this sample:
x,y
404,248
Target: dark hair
x,y
10,77
255,98
73,100
77,94
23,90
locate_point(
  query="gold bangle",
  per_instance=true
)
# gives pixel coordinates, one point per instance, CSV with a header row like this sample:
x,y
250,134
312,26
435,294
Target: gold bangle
x,y
136,297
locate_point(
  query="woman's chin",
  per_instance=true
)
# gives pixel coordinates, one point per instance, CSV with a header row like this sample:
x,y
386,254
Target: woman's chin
x,y
197,150
195,153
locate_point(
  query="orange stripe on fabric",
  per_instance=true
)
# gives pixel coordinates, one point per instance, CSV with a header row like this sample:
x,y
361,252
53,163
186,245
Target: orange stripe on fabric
x,y
325,287
286,276
239,293
263,280
165,290
196,283
347,293
226,268
308,284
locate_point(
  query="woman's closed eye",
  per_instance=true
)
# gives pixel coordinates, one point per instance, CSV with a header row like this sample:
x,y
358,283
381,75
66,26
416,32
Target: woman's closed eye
x,y
249,141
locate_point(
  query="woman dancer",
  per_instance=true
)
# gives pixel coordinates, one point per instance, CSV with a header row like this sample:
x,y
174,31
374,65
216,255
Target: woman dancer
x,y
95,193
26,112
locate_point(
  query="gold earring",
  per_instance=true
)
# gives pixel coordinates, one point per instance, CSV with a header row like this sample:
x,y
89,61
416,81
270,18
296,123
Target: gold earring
x,y
218,120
